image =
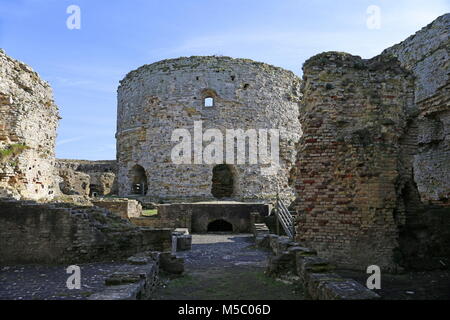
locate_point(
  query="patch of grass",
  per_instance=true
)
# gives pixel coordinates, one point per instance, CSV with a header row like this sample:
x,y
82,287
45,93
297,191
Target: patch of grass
x,y
12,150
185,280
149,213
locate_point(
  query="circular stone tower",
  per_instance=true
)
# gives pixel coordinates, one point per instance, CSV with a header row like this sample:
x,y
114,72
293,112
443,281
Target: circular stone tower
x,y
242,100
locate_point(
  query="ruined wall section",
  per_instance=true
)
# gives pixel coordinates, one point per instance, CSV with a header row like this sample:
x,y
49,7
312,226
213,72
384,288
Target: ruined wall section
x,y
425,236
427,55
156,99
353,115
28,122
66,234
84,177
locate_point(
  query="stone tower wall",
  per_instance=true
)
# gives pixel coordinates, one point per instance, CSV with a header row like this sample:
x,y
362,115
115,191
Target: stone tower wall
x,y
28,121
156,99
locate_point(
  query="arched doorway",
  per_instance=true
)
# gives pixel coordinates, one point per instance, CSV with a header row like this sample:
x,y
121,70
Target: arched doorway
x,y
222,181
220,226
95,190
138,181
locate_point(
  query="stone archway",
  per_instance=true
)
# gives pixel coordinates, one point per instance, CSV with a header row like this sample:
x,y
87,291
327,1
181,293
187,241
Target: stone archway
x,y
220,225
139,184
222,181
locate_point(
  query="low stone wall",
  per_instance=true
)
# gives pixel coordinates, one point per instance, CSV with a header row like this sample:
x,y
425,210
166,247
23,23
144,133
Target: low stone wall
x,y
136,280
315,274
124,208
196,216
169,216
60,233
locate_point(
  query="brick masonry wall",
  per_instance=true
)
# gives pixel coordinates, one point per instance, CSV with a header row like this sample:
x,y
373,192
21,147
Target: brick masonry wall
x,y
426,54
424,241
353,115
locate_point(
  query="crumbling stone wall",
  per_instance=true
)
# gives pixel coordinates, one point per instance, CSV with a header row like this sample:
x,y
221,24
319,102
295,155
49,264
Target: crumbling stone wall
x,y
85,177
124,208
156,99
28,121
426,54
59,233
425,235
374,162
74,183
353,115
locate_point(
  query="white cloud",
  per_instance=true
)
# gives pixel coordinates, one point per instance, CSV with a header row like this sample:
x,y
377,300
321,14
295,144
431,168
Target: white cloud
x,y
70,140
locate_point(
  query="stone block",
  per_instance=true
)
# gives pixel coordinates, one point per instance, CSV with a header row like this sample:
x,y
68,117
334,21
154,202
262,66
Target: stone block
x,y
131,291
311,264
184,242
171,264
346,289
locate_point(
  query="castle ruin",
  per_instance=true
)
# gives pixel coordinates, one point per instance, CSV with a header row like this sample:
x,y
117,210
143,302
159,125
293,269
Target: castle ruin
x,y
364,146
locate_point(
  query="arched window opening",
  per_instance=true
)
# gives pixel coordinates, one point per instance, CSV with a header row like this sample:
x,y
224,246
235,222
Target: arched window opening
x,y
209,98
209,102
220,226
138,181
222,181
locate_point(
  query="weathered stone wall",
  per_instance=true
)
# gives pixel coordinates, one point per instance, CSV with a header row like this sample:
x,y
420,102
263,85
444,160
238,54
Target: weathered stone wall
x,y
426,54
374,161
156,99
28,121
87,166
125,208
74,183
353,115
166,217
425,236
99,176
51,233
197,216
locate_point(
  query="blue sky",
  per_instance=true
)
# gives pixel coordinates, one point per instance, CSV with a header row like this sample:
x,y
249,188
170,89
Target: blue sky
x,y
84,66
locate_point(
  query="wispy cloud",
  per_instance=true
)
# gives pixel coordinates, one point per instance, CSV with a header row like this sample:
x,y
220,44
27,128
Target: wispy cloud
x,y
70,140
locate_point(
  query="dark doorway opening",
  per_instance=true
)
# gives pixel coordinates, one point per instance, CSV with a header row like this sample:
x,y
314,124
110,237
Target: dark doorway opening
x,y
95,190
138,180
220,226
222,181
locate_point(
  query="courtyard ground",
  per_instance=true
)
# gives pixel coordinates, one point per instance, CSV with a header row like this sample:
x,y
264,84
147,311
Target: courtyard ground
x,y
219,266
41,282
228,267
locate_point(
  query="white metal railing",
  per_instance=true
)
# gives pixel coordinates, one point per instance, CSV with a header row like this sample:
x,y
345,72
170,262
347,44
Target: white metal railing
x,y
285,218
